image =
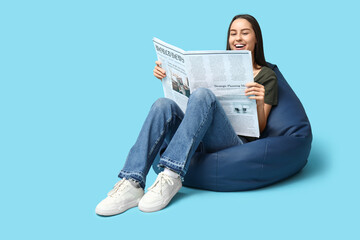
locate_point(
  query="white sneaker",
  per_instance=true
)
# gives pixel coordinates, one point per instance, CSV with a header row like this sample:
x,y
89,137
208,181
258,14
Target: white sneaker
x,y
122,197
160,193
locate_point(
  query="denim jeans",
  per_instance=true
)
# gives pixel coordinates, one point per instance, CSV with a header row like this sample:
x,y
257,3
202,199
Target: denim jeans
x,y
168,128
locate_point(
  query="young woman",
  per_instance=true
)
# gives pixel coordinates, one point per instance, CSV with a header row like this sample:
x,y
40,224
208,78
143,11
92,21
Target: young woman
x,y
167,127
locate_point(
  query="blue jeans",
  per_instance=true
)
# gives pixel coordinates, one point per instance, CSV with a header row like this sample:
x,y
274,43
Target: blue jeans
x,y
168,128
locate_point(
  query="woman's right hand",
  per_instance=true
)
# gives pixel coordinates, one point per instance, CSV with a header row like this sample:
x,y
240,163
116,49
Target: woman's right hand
x,y
158,71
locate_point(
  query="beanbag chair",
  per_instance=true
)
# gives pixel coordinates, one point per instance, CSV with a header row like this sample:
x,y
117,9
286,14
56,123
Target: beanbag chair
x,y
281,151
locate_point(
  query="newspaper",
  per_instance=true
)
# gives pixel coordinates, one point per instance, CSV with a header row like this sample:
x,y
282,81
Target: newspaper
x,y
225,73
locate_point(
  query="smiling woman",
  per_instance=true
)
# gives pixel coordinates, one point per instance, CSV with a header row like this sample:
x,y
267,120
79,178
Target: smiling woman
x,y
176,136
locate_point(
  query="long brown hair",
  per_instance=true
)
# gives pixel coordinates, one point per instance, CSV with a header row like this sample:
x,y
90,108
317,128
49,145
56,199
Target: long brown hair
x,y
259,48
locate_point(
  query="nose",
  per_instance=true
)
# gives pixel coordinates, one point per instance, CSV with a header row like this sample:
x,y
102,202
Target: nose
x,y
238,37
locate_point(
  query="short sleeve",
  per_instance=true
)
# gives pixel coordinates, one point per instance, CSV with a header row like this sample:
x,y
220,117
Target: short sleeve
x,y
271,89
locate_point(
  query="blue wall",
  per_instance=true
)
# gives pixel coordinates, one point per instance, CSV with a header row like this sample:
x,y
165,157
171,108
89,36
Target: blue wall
x,y
76,84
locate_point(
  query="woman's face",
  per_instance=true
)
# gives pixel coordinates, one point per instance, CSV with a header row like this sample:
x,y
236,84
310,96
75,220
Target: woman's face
x,y
242,35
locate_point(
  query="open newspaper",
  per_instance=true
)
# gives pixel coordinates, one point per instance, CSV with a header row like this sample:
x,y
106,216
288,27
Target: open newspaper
x,y
225,73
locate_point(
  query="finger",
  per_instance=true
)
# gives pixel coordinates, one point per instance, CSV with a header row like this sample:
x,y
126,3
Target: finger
x,y
253,84
158,76
254,94
250,84
158,63
255,89
256,98
256,86
159,72
160,69
258,93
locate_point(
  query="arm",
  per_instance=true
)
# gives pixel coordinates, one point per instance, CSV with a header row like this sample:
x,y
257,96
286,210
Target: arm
x,y
263,113
257,92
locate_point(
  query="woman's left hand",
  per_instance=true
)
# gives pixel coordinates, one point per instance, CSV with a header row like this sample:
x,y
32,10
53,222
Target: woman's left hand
x,y
256,91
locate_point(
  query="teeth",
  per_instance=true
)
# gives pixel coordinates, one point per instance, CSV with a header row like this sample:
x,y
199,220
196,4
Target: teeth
x,y
239,46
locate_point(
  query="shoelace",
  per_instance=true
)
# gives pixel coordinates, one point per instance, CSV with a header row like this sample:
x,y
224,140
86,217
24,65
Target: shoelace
x,y
160,180
117,187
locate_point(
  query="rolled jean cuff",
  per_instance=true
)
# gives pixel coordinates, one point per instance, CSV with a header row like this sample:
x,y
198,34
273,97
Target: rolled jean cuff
x,y
178,167
137,176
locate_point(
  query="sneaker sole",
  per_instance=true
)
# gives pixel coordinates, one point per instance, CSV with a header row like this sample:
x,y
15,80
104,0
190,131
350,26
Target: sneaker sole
x,y
157,208
117,211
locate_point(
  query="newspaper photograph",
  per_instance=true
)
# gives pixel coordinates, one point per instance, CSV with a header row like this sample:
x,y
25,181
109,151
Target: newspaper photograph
x,y
225,73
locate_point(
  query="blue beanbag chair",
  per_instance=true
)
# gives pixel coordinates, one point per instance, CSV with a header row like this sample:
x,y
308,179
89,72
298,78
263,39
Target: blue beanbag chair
x,y
281,151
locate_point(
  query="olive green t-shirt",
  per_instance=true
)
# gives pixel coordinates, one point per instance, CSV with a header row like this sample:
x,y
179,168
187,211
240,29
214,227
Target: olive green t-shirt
x,y
267,78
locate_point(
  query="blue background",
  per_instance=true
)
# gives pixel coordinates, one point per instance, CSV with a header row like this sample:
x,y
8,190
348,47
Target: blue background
x,y
76,85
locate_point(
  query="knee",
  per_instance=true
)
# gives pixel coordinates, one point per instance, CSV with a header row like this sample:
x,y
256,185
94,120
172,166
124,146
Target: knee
x,y
162,105
202,94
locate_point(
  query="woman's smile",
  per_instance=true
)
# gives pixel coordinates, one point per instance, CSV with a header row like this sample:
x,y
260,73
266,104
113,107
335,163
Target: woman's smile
x,y
240,46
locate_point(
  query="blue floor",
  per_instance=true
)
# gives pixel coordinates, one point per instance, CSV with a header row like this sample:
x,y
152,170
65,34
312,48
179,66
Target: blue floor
x,y
75,87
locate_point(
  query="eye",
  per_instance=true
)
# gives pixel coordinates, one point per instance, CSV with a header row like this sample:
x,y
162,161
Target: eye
x,y
245,33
